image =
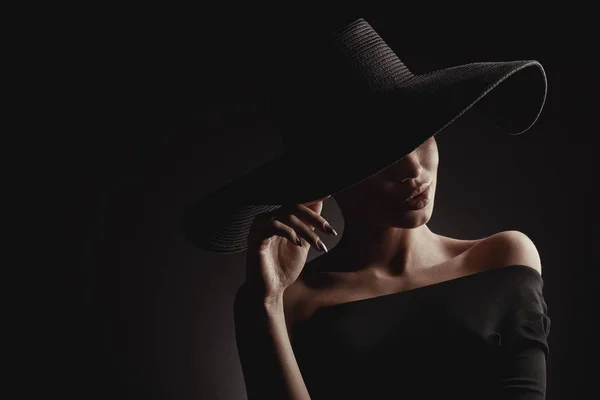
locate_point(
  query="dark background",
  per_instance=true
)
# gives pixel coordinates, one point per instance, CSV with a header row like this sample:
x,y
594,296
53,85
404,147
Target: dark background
x,y
158,116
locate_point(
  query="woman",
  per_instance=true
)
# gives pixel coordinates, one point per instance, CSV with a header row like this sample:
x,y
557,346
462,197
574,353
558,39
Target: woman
x,y
394,310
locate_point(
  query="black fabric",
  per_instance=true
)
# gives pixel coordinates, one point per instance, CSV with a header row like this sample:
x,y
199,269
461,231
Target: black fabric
x,y
481,336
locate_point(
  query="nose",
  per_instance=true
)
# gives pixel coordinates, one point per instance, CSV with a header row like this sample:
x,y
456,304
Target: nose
x,y
410,168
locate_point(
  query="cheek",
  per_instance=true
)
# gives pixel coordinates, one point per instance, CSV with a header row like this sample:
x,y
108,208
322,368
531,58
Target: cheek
x,y
431,159
433,164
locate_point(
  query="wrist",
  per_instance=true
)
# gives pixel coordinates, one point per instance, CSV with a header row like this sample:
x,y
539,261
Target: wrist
x,y
274,302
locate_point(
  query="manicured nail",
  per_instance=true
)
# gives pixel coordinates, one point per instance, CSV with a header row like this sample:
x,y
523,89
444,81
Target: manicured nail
x,y
322,246
329,229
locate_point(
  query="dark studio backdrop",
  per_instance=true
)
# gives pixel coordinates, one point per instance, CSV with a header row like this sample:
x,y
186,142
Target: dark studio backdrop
x,y
174,113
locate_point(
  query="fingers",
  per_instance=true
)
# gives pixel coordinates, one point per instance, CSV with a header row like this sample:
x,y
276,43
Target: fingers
x,y
316,205
296,223
304,231
286,231
316,201
314,219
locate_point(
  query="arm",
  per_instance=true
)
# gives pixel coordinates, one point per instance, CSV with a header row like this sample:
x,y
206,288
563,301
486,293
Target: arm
x,y
525,346
268,362
524,366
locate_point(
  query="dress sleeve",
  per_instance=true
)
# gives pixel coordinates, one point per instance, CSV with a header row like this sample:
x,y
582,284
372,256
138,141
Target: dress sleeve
x,y
525,347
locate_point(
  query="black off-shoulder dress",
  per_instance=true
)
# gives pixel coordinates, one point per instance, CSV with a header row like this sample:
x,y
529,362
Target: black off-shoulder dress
x,y
481,336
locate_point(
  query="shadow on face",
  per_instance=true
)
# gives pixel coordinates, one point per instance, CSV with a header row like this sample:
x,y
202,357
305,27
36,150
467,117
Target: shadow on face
x,y
379,199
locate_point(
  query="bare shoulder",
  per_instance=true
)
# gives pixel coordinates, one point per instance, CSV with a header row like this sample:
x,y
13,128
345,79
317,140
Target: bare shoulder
x,y
507,248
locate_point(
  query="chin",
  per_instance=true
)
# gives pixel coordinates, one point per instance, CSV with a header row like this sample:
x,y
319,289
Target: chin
x,y
408,222
412,218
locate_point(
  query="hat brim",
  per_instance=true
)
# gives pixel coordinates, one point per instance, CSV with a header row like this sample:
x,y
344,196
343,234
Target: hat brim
x,y
394,123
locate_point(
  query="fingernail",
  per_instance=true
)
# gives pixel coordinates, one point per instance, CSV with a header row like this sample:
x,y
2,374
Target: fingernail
x,y
329,229
322,246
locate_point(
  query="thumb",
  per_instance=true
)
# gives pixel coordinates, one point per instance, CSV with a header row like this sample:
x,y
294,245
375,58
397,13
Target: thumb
x,y
317,205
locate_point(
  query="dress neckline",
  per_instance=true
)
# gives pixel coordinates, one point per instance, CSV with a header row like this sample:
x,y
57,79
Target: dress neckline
x,y
433,285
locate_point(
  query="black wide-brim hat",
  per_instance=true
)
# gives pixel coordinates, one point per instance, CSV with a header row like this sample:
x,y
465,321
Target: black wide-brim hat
x,y
347,107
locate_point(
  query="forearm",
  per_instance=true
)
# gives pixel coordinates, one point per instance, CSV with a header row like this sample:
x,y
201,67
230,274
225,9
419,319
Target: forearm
x,y
268,361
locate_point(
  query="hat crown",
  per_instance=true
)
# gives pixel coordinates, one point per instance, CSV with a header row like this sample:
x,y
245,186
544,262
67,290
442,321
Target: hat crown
x,y
369,57
335,84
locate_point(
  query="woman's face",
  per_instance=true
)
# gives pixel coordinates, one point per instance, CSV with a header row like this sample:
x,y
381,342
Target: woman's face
x,y
380,199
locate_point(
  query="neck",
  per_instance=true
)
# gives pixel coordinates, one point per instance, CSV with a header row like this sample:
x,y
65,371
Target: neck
x,y
389,250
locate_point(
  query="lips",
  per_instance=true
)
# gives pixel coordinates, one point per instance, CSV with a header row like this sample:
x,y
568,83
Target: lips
x,y
418,191
418,202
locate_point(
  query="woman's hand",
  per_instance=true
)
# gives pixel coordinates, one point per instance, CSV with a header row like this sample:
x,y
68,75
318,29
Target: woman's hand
x,y
278,244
